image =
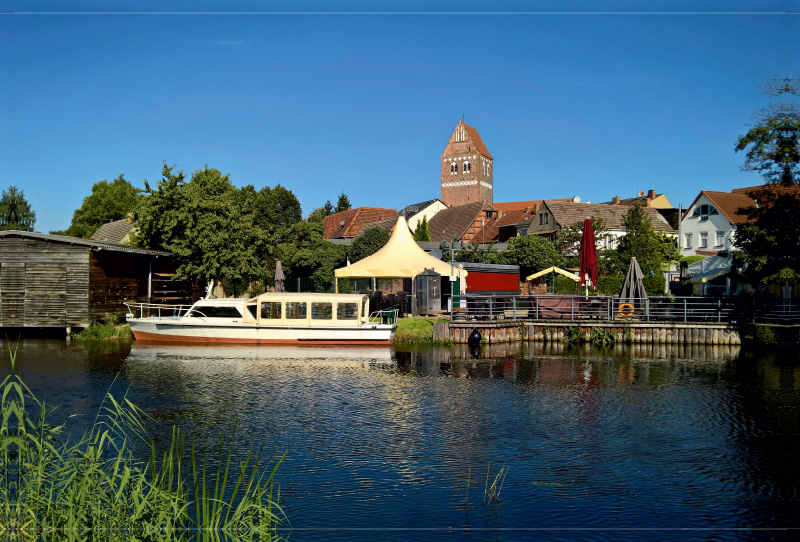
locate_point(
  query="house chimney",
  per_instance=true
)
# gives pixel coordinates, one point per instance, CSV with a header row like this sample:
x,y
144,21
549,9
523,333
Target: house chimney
x,y
651,194
616,200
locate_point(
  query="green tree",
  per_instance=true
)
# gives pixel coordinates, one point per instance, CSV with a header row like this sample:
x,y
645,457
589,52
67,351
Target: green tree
x,y
321,212
444,248
769,243
368,243
207,223
304,253
640,241
421,233
108,201
15,211
473,253
343,203
532,253
278,207
568,240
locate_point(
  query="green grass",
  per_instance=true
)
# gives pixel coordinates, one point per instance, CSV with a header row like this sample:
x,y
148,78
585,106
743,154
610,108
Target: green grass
x,y
105,330
112,484
417,330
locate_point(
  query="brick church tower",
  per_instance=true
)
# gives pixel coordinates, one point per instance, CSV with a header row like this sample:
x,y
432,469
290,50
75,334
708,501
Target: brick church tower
x,y
466,168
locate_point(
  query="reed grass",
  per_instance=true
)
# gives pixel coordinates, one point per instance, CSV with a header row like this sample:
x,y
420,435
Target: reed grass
x,y
97,488
105,330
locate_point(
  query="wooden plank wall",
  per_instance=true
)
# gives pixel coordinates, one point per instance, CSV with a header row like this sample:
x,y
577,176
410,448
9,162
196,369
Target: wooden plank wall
x,y
43,283
116,277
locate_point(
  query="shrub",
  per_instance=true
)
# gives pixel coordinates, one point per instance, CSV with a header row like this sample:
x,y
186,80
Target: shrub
x,y
105,330
603,337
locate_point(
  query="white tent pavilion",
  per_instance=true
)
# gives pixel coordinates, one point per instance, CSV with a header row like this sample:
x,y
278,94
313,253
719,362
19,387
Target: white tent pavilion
x,y
400,258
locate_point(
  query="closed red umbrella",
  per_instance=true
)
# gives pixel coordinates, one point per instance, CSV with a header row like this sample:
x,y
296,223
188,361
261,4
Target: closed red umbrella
x,y
588,254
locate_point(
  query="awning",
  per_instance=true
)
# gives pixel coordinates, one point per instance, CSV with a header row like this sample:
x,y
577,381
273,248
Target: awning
x,y
558,270
400,258
544,232
711,275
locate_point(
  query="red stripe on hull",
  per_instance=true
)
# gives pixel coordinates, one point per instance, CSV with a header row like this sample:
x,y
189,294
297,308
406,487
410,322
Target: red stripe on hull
x,y
158,337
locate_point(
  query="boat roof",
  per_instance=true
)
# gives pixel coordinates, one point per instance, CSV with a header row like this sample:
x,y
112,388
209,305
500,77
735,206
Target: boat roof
x,y
282,296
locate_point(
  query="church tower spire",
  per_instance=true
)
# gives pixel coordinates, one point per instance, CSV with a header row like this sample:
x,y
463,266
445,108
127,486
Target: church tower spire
x,y
467,168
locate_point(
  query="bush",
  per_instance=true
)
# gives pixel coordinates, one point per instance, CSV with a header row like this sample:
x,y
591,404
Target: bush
x,y
105,330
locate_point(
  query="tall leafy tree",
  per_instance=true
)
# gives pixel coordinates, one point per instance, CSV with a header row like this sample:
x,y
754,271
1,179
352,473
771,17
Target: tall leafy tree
x,y
368,243
343,203
207,223
321,212
304,253
640,241
422,233
769,244
532,253
15,211
108,201
278,207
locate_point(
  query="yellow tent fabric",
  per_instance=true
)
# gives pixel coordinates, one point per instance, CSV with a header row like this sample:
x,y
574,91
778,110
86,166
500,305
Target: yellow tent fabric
x,y
558,270
400,258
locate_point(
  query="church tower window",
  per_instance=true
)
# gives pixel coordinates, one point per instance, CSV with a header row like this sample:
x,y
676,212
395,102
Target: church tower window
x,y
466,167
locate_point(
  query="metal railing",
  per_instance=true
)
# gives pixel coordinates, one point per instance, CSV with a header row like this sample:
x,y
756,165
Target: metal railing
x,y
383,316
604,308
152,310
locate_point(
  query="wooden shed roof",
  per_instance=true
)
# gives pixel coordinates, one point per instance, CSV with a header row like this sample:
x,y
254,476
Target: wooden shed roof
x,y
91,243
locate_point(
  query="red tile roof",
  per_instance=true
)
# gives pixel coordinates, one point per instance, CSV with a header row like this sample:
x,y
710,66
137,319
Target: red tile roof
x,y
347,224
728,203
476,138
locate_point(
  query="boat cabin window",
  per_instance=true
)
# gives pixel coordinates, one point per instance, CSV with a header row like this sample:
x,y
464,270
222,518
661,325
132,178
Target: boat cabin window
x,y
347,311
271,310
296,310
210,311
321,311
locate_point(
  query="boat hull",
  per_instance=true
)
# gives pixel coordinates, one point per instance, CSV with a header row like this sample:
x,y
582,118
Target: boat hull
x,y
147,330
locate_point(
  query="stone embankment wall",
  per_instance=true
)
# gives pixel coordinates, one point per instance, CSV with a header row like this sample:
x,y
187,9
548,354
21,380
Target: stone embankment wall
x,y
679,333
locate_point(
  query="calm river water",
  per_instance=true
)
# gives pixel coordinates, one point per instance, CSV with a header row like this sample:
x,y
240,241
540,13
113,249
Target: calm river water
x,y
627,443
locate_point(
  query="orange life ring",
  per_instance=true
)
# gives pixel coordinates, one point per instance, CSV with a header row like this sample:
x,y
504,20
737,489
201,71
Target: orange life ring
x,y
626,313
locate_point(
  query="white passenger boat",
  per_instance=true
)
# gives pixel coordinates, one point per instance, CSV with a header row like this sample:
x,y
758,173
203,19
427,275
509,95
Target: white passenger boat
x,y
271,318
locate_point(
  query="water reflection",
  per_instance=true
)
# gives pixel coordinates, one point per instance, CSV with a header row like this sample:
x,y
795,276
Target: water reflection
x,y
626,437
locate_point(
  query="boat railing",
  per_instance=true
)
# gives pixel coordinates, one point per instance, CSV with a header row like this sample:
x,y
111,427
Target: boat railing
x,y
152,310
384,316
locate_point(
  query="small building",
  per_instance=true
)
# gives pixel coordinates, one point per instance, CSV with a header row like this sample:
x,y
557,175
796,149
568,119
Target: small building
x,y
59,281
552,216
708,225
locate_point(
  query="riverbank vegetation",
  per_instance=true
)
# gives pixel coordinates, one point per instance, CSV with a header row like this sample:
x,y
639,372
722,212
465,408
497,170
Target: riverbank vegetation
x,y
417,331
109,329
113,482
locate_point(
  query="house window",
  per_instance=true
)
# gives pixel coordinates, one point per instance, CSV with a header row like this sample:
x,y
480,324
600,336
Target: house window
x,y
546,217
703,239
720,238
704,211
541,219
688,243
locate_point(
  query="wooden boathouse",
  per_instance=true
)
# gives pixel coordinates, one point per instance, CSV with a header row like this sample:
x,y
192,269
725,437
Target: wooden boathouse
x,y
51,281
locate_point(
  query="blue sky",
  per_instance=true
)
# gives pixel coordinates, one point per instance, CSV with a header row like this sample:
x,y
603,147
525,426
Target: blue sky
x,y
593,105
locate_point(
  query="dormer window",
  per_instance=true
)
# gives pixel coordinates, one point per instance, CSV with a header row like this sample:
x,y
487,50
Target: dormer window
x,y
704,211
466,167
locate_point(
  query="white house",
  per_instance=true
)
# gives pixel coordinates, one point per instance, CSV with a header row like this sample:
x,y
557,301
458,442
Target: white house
x,y
708,224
